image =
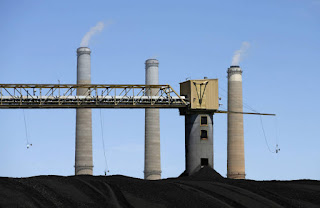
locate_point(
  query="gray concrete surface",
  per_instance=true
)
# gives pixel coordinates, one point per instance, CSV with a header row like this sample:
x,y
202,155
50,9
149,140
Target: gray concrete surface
x,y
197,148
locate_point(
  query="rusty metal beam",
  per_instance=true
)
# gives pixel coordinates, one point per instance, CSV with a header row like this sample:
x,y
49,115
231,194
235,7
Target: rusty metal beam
x,y
261,114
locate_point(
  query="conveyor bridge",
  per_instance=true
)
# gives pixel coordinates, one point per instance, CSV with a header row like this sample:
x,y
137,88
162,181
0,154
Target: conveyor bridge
x,y
96,96
91,96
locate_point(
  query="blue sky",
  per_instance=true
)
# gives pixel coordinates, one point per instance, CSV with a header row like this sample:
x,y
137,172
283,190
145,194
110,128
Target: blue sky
x,y
191,40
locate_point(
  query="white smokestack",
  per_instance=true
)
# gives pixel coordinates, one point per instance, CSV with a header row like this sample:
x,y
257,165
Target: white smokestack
x,y
238,54
86,38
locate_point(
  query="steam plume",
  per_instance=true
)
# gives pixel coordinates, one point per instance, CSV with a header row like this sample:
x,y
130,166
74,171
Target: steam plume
x,y
238,54
86,38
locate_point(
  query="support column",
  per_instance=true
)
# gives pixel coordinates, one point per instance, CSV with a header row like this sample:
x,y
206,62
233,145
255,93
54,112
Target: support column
x,y
198,141
236,163
152,160
83,156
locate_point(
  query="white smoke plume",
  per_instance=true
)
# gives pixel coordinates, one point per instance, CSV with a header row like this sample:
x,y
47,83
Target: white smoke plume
x,y
86,38
239,54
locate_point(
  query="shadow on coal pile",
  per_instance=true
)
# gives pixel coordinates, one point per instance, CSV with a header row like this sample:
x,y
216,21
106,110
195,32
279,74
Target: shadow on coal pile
x,y
206,188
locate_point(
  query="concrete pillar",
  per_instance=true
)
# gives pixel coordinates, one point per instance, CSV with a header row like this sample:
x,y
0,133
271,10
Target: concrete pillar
x,y
83,157
152,161
198,141
236,163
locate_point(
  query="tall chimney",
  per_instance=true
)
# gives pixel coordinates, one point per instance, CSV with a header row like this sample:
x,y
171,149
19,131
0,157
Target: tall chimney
x,y
235,164
152,161
83,157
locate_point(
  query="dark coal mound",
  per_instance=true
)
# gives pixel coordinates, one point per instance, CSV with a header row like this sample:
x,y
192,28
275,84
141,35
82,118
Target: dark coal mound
x,y
204,174
205,188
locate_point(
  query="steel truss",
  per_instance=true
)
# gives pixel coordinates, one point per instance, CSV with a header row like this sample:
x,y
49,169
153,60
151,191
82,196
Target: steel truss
x,y
89,96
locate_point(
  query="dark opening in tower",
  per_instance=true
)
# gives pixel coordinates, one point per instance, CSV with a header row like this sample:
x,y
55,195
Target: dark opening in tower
x,y
204,135
204,121
204,162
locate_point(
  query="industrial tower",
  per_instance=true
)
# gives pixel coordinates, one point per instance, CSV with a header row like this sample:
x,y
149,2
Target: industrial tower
x,y
235,163
204,101
83,156
152,160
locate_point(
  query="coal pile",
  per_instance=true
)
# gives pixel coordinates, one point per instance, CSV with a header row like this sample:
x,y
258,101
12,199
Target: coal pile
x,y
206,188
204,174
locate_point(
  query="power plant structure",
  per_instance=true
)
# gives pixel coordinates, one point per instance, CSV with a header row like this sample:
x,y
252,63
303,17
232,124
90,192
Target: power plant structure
x,y
83,150
152,161
235,161
198,101
204,101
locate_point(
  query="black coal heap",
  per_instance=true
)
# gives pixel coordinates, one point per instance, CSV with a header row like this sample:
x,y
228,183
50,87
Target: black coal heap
x,y
205,188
